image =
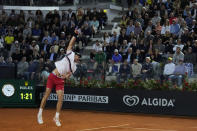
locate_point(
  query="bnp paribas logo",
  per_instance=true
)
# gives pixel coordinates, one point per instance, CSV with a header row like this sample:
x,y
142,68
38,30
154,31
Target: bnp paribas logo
x,y
135,100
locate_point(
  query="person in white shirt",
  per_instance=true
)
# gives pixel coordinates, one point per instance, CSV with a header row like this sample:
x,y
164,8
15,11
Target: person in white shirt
x,y
165,27
64,69
178,45
168,68
96,48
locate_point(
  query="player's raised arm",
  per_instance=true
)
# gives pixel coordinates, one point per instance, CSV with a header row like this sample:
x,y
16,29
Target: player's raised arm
x,y
72,41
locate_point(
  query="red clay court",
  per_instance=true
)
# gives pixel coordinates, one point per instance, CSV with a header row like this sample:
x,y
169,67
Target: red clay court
x,y
24,119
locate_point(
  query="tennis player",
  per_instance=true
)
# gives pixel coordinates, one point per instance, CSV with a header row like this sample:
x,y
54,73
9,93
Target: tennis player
x,y
64,69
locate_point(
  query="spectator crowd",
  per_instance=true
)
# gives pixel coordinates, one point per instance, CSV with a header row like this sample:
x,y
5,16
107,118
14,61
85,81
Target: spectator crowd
x,y
154,39
33,42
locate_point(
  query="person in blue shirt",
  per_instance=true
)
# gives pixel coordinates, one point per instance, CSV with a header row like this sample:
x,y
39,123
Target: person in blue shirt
x,y
174,28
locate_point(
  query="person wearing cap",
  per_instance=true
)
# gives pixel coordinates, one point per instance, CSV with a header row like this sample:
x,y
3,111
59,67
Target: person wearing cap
x,y
168,68
115,62
64,68
179,73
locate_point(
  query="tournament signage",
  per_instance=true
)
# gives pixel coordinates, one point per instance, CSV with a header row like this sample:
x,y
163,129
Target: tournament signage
x,y
17,93
128,100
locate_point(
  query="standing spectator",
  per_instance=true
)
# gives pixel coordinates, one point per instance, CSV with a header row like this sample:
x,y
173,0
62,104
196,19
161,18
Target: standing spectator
x,y
178,55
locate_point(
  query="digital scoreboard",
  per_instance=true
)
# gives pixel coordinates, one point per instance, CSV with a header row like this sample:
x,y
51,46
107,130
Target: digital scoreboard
x,y
17,93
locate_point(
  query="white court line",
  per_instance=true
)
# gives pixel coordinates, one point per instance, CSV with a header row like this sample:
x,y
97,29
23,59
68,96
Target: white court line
x,y
152,129
149,129
91,129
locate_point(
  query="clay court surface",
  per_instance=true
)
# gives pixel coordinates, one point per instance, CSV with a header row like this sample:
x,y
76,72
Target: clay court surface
x,y
24,119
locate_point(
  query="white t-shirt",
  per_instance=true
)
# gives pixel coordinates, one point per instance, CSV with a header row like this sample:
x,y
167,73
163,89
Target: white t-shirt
x,y
169,69
63,66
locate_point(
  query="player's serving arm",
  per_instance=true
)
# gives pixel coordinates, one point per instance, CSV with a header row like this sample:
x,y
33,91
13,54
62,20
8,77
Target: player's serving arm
x,y
64,68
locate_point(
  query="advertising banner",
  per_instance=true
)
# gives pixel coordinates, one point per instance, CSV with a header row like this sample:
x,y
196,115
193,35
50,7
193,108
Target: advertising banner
x,y
128,100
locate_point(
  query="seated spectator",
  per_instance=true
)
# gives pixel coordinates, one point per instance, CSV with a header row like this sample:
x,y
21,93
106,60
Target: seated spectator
x,y
47,37
159,46
114,37
45,46
2,61
116,29
124,72
139,56
165,27
115,62
130,28
179,43
96,48
179,73
190,57
129,56
106,38
16,56
174,28
87,31
124,48
100,59
123,21
22,67
102,17
147,69
52,55
95,25
54,38
9,39
136,69
178,55
27,31
168,69
36,32
137,29
9,61
156,56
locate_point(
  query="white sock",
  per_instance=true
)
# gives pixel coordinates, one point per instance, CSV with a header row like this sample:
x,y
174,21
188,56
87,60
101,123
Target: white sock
x,y
57,114
40,111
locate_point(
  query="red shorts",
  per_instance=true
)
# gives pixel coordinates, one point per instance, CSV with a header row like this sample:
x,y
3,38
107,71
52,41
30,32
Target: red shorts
x,y
54,81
